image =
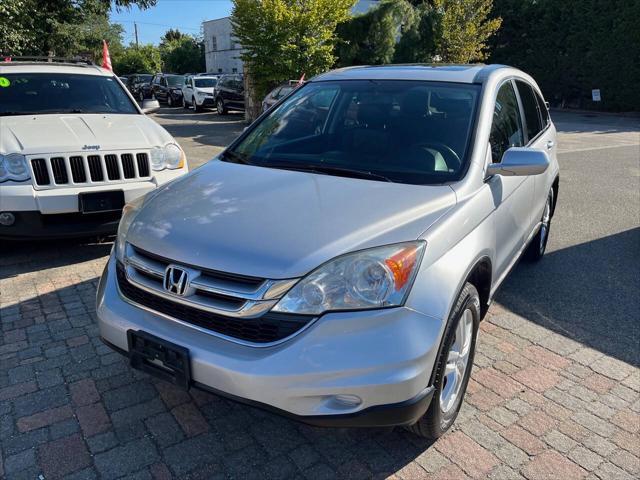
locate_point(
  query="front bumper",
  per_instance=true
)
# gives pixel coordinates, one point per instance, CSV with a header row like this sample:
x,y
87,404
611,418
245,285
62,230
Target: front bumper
x,y
204,102
384,358
54,212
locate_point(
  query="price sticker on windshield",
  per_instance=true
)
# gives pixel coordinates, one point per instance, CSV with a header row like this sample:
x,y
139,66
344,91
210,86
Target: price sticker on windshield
x,y
4,82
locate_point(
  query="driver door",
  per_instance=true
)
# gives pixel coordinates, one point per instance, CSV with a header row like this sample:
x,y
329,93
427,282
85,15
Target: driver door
x,y
513,196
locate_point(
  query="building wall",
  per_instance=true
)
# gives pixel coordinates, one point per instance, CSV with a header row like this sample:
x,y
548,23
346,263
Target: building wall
x,y
222,55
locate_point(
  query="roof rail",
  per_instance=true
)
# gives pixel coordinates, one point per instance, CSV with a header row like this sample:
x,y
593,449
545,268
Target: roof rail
x,y
44,59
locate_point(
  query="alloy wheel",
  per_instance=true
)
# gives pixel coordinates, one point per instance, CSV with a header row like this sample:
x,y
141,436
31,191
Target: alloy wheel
x,y
457,362
544,228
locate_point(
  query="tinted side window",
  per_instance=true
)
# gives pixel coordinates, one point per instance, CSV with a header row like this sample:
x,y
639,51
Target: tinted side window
x,y
544,112
506,130
530,107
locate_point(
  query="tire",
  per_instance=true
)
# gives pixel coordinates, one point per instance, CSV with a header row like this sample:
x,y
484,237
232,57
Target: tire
x,y
197,107
169,100
538,245
445,404
221,108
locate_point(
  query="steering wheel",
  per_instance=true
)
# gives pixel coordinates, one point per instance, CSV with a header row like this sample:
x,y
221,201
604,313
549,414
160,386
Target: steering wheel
x,y
451,158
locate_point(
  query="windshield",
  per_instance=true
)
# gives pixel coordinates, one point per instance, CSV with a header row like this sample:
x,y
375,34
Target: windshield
x,y
144,78
175,81
401,131
205,82
34,93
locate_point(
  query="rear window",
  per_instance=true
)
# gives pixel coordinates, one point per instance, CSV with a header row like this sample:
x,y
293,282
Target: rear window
x,y
403,131
36,93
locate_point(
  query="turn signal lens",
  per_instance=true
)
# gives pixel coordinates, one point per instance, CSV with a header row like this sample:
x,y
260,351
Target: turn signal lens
x,y
401,265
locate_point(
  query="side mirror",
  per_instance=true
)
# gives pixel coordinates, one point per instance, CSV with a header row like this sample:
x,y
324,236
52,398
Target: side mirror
x,y
520,162
150,106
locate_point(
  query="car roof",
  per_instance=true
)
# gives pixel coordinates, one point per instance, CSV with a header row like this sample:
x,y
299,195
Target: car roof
x,y
44,67
437,72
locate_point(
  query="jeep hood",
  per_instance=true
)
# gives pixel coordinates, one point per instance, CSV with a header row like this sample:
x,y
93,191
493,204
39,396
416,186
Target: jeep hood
x,y
276,224
56,133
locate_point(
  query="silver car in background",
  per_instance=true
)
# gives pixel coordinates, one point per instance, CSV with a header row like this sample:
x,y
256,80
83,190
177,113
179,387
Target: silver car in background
x,y
334,262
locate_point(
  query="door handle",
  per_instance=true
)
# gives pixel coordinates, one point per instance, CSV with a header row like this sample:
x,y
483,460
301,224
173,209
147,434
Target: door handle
x,y
550,144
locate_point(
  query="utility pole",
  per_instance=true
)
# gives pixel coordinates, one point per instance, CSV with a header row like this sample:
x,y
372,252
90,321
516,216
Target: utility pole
x,y
135,27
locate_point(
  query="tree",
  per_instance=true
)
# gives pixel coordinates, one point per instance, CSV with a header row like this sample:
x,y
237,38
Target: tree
x,y
133,59
41,27
462,28
283,39
184,54
172,35
371,38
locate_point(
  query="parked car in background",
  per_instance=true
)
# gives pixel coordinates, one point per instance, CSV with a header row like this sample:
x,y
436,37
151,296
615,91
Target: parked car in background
x,y
75,147
279,93
167,88
139,84
335,263
229,93
124,80
198,92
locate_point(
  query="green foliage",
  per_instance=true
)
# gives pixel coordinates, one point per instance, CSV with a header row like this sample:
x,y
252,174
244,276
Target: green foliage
x,y
282,39
61,27
462,28
143,59
573,47
371,38
182,53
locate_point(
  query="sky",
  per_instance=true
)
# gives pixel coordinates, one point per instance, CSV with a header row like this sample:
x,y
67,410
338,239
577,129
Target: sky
x,y
185,15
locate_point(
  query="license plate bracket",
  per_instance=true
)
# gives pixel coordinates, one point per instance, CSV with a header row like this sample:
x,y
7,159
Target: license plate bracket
x,y
98,202
159,358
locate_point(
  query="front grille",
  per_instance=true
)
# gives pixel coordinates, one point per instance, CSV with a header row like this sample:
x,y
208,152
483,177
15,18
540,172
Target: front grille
x,y
40,172
267,328
89,169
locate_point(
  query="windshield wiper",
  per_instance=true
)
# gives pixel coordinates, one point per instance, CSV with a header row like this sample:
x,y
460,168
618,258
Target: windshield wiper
x,y
330,169
12,112
236,157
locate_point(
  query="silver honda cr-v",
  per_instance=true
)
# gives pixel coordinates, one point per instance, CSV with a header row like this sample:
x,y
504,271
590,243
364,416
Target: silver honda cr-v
x,y
333,263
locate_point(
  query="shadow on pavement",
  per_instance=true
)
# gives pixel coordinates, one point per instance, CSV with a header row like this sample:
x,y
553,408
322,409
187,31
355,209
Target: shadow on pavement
x,y
587,293
34,255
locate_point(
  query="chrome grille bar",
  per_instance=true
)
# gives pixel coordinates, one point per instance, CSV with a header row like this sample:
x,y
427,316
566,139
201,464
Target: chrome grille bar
x,y
84,169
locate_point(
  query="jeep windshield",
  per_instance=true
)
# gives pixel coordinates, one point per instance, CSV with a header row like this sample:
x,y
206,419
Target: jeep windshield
x,y
51,93
175,80
205,82
414,132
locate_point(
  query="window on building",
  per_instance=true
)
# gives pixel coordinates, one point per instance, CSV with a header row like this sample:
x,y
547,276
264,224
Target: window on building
x,y
234,70
214,43
219,70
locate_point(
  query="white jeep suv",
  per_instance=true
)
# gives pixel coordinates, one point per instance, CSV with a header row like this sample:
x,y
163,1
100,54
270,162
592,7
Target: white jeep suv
x,y
74,148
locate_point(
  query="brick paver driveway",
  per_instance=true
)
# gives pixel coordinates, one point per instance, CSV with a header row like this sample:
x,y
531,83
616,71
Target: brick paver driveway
x,y
555,391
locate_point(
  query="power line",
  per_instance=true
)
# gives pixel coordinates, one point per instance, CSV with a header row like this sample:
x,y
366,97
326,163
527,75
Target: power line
x,y
157,24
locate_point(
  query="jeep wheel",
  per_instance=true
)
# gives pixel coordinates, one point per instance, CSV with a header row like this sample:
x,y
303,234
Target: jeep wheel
x,y
221,108
537,247
454,366
169,100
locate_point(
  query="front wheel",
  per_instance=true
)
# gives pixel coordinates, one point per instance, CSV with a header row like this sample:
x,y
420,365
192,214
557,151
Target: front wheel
x,y
537,247
221,108
169,100
454,366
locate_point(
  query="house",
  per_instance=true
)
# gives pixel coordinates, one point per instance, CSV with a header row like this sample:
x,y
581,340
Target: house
x,y
222,51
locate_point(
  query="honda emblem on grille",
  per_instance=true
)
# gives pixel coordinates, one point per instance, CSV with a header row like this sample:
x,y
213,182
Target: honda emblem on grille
x,y
176,280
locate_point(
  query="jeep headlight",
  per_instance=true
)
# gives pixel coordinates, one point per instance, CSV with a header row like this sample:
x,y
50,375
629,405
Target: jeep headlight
x,y
373,278
170,156
14,167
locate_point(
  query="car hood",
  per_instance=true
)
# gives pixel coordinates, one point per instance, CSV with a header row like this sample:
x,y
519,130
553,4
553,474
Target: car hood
x,y
277,223
56,133
205,89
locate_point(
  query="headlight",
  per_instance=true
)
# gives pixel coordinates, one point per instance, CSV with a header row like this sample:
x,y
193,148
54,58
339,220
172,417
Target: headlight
x,y
128,215
373,278
170,156
14,167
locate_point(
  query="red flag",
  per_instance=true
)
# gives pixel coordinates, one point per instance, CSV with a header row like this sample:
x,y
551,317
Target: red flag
x,y
106,58
7,59
301,81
